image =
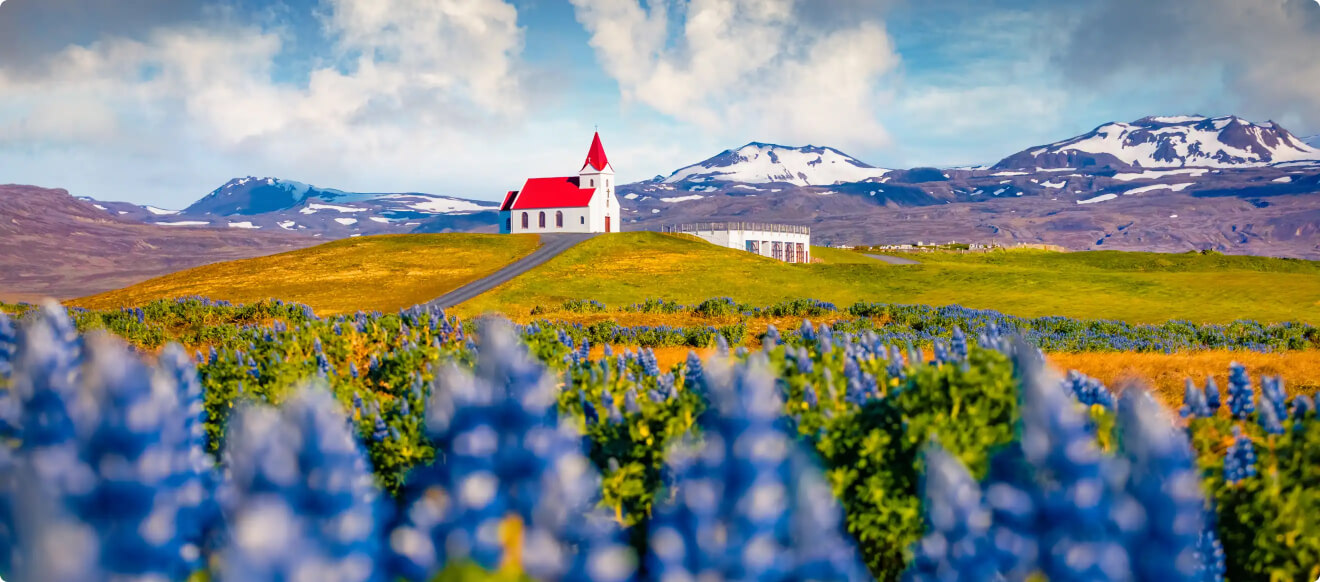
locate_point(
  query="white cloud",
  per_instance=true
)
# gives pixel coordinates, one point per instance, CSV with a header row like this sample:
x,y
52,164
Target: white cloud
x,y
413,84
746,67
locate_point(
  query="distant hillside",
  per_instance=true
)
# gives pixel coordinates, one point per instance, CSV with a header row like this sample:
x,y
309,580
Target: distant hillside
x,y
55,245
275,204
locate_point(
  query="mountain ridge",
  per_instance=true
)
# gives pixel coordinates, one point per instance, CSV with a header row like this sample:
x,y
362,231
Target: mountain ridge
x,y
279,204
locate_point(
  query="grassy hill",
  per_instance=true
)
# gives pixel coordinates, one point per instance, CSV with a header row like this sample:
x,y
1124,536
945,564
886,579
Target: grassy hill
x,y
369,273
389,272
1138,287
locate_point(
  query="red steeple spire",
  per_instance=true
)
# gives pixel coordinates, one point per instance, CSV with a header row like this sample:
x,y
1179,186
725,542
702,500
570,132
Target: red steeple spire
x,y
596,157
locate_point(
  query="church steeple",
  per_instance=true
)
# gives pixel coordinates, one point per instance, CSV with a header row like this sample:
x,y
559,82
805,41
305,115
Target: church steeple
x,y
596,156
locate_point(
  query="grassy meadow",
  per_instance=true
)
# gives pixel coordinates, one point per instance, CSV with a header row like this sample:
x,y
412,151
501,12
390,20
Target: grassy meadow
x,y
382,273
1135,287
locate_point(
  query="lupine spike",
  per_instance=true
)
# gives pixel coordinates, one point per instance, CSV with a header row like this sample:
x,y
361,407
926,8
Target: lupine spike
x,y
301,497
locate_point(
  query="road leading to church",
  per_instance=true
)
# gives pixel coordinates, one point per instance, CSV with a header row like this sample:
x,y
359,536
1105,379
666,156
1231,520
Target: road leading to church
x,y
551,246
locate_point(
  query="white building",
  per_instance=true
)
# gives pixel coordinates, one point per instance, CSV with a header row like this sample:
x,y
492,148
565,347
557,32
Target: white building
x,y
783,242
577,204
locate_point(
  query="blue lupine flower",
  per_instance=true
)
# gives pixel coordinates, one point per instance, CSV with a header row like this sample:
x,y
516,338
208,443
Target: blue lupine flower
x,y
7,339
1194,404
1303,409
748,505
379,430
630,401
1240,459
958,344
1211,561
301,497
693,378
1165,481
107,479
1241,399
1272,393
1212,395
1269,419
957,545
511,476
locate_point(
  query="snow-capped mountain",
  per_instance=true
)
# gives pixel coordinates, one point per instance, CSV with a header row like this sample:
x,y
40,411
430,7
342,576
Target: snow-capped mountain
x,y
761,163
287,205
1170,142
1159,183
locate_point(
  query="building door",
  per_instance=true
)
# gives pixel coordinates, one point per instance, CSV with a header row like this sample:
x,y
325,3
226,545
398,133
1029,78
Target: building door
x,y
607,223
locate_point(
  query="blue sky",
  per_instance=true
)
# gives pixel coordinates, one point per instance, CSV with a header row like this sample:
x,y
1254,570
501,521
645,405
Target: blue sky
x,y
160,101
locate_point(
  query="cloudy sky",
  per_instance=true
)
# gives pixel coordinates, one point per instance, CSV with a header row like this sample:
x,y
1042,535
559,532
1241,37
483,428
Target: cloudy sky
x,y
161,101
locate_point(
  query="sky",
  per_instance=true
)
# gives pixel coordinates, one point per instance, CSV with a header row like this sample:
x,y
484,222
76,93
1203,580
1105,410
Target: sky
x,y
161,101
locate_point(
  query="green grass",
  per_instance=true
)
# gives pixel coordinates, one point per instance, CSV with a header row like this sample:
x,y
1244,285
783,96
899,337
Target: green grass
x,y
382,273
1137,287
1121,261
831,256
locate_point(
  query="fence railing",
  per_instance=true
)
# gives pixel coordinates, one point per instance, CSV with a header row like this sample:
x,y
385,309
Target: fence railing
x,y
725,226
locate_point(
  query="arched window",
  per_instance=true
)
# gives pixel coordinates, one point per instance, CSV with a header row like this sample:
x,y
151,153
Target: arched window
x,y
559,219
582,220
524,220
542,219
593,182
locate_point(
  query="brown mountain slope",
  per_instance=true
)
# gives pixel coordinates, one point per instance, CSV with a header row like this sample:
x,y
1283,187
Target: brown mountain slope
x,y
54,245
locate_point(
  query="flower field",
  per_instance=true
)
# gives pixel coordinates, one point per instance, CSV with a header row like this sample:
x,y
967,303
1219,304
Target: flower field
x,y
193,438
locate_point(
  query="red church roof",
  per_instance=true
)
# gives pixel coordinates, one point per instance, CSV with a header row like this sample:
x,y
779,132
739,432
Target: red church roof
x,y
549,193
508,200
596,156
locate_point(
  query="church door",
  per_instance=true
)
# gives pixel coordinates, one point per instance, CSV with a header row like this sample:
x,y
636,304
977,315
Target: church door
x,y
607,224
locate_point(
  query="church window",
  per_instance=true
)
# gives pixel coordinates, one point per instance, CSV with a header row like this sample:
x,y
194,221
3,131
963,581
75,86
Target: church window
x,y
542,220
559,219
524,220
582,220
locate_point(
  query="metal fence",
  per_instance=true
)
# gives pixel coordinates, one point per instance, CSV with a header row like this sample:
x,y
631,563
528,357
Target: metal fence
x,y
697,227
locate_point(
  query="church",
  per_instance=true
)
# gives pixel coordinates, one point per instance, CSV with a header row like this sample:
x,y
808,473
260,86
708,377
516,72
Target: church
x,y
575,204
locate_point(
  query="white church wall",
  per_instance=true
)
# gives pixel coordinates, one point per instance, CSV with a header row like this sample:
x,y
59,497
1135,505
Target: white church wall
x,y
576,220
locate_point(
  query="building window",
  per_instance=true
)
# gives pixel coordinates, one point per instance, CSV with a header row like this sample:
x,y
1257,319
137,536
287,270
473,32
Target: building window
x,y
582,220
593,183
542,221
508,224
524,220
559,219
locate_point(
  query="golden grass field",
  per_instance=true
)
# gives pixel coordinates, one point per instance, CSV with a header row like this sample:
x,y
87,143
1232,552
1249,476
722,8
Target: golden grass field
x,y
382,273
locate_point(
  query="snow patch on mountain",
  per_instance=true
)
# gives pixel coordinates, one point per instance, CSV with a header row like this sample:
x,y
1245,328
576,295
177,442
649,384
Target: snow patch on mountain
x,y
760,163
1172,142
1100,198
438,204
